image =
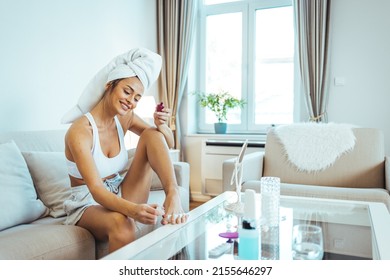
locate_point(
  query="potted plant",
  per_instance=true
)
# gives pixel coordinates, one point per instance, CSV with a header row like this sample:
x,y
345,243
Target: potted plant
x,y
219,104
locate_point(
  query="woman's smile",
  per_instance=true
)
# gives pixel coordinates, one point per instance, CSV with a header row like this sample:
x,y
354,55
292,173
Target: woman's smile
x,y
124,106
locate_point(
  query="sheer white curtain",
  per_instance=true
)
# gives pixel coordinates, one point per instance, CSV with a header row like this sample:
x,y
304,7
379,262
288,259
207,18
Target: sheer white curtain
x,y
312,23
176,25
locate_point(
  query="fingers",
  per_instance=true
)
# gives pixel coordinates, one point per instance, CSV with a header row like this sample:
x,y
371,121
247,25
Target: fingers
x,y
165,111
163,116
148,214
162,119
159,209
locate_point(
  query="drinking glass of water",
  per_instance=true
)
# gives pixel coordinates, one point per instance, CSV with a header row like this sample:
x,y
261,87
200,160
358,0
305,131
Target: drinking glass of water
x,y
307,242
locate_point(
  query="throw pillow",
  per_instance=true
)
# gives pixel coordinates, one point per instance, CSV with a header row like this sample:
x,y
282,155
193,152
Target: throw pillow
x,y
49,173
18,201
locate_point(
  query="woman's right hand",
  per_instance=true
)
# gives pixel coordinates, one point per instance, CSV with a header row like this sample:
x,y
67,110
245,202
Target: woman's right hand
x,y
145,213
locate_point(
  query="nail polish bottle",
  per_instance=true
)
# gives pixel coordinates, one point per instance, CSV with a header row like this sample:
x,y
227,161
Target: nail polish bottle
x,y
249,232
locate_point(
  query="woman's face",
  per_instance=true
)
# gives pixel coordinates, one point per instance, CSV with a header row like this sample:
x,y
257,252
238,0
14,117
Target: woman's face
x,y
126,94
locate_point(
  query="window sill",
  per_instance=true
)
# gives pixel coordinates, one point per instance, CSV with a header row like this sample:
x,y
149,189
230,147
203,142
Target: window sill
x,y
230,136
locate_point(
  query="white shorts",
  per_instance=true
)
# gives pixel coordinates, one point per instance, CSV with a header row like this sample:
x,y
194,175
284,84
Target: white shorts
x,y
81,198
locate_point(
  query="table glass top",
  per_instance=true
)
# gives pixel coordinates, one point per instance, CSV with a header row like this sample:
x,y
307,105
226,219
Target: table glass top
x,y
195,239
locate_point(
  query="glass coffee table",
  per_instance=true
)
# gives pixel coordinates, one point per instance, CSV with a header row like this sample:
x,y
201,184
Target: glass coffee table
x,y
351,229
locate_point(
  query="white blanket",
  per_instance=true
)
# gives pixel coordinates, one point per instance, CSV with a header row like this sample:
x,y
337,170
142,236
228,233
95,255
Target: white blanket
x,y
315,146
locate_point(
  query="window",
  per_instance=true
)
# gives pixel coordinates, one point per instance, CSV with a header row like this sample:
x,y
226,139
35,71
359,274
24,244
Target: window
x,y
247,49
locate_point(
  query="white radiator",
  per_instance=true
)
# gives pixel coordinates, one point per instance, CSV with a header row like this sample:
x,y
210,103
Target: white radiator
x,y
214,152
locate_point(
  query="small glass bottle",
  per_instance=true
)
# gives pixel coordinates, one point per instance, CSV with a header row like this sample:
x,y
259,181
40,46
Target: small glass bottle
x,y
249,232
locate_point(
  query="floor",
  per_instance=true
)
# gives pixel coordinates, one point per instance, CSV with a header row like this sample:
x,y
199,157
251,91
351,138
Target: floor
x,y
194,204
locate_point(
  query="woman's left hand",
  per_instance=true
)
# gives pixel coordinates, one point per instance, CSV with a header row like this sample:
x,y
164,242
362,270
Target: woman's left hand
x,y
162,118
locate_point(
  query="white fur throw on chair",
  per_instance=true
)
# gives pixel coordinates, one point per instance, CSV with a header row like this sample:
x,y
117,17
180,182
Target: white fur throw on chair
x,y
315,146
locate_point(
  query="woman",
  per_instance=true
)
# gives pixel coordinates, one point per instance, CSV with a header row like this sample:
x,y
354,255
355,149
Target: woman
x,y
106,198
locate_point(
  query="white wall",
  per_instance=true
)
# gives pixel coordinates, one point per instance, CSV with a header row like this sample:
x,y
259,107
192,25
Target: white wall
x,y
360,53
50,49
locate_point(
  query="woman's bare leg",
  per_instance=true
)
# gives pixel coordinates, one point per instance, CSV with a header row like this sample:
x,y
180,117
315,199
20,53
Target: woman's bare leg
x,y
152,154
106,225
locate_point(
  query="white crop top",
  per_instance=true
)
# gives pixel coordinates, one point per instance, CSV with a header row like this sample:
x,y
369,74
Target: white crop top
x,y
105,165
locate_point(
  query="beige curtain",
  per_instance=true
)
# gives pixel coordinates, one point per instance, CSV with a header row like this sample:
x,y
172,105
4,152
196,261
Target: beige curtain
x,y
176,27
312,21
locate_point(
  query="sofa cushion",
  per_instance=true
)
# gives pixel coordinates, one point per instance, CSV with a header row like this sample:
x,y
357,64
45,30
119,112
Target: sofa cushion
x,y
51,180
46,242
18,200
327,192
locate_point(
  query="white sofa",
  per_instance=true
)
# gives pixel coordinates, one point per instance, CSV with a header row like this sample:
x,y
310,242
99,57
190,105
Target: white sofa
x,y
33,186
362,174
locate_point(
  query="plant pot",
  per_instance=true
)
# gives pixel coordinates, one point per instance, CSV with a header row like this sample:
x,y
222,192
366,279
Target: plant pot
x,y
220,128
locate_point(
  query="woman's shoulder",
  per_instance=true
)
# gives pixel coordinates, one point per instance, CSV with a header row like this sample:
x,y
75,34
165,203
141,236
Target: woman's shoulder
x,y
79,129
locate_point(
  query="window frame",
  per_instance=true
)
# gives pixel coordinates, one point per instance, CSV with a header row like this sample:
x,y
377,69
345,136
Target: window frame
x,y
248,9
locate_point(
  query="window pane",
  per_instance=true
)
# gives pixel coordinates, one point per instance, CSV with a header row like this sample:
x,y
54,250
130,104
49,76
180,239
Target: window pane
x,y
274,76
223,59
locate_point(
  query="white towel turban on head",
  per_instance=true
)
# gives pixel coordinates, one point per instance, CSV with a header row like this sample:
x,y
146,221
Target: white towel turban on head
x,y
140,62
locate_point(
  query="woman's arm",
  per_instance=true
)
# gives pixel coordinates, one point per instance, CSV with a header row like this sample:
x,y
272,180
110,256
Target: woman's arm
x,y
160,120
138,125
78,149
